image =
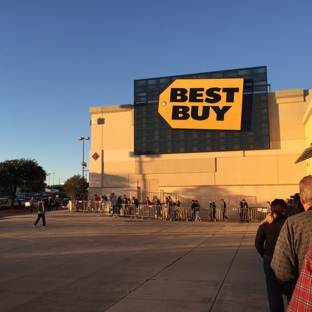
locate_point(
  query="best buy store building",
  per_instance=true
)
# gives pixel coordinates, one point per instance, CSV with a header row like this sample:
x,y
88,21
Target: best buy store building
x,y
218,134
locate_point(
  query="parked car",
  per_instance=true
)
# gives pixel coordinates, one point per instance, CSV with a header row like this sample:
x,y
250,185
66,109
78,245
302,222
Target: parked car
x,y
37,199
27,204
65,201
26,200
6,203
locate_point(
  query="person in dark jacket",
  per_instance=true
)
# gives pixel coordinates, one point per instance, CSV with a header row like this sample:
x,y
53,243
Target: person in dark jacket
x,y
193,210
223,210
265,241
297,206
41,213
214,210
197,209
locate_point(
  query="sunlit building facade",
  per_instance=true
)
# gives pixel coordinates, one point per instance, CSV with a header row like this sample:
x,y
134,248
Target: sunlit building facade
x,y
216,134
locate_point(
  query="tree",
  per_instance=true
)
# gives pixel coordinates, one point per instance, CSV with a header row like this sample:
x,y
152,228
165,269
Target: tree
x,y
22,173
76,185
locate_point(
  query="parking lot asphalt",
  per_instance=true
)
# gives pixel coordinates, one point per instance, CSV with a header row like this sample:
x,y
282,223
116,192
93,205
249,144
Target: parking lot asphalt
x,y
86,262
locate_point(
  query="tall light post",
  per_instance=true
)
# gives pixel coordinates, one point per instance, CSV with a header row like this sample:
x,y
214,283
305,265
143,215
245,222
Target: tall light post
x,y
53,180
83,164
48,174
86,173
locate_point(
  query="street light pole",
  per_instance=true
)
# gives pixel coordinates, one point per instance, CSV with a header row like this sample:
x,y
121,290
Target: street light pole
x,y
48,174
53,180
86,173
83,164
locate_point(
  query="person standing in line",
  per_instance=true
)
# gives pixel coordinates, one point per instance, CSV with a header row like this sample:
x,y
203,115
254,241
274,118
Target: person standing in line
x,y
223,210
301,299
97,199
135,202
179,211
124,199
52,202
193,210
289,202
197,208
170,205
265,241
49,203
174,212
296,205
165,210
31,204
148,202
41,213
214,210
113,203
86,205
241,211
245,211
124,205
148,205
157,207
119,205
295,238
135,206
101,203
57,202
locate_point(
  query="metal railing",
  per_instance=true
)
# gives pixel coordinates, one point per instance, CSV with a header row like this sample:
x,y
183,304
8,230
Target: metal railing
x,y
163,212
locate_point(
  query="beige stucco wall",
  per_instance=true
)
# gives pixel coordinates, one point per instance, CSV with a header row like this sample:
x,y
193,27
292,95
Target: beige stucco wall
x,y
307,121
113,142
260,174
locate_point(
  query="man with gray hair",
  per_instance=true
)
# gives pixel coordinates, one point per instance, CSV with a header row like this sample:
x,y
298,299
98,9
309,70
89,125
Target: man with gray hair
x,y
294,239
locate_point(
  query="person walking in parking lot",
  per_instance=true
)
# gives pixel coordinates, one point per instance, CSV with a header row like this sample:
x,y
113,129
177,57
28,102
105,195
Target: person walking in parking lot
x,y
41,213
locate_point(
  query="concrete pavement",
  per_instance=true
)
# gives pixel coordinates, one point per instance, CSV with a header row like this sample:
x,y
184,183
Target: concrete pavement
x,y
86,262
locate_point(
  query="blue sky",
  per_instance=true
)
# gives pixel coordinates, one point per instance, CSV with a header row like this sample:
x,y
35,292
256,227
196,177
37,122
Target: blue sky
x,y
60,57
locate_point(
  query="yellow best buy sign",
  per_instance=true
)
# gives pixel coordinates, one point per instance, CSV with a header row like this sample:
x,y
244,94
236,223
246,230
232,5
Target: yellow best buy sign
x,y
209,104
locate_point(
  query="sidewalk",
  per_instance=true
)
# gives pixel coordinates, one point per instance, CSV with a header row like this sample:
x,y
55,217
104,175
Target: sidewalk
x,y
86,262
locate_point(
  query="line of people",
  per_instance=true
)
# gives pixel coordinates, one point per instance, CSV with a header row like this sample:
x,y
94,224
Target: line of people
x,y
169,210
213,210
123,205
50,203
243,211
116,203
284,242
